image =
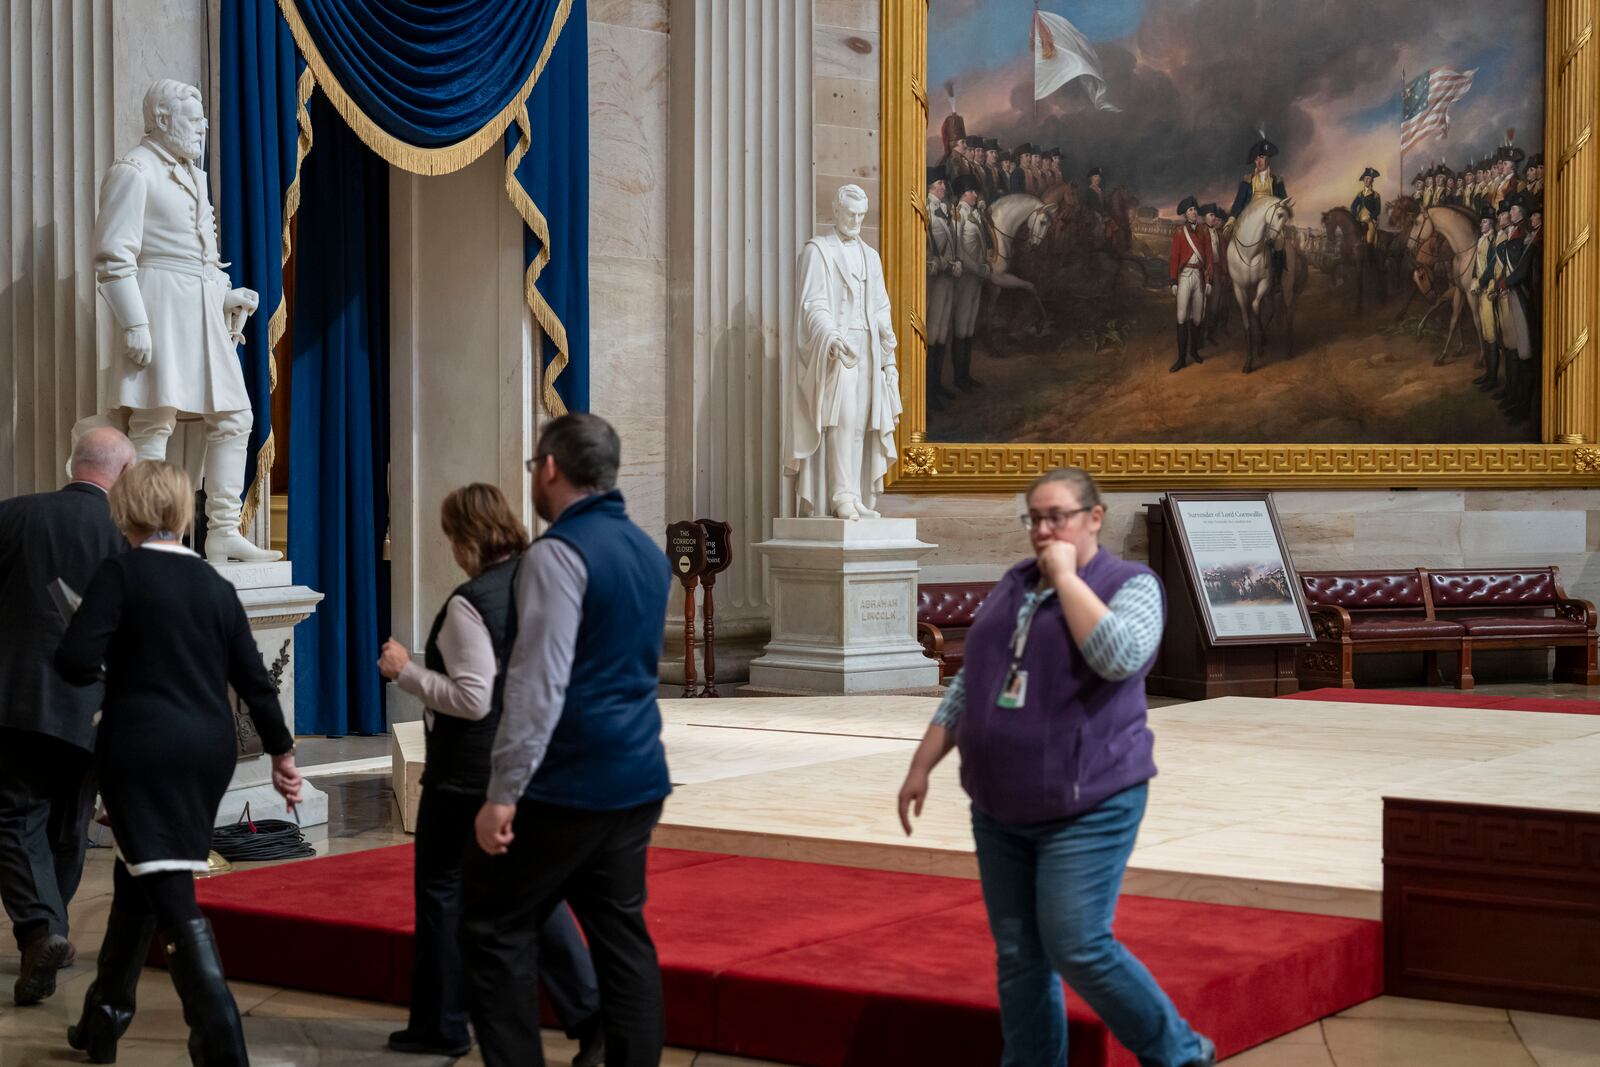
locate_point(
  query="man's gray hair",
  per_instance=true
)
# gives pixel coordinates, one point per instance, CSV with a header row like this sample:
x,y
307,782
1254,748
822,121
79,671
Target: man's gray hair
x,y
102,452
163,96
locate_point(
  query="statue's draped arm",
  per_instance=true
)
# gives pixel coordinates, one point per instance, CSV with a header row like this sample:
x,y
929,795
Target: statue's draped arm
x,y
118,236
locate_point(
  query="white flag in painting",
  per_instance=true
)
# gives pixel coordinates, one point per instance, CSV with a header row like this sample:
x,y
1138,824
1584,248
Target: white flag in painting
x,y
1060,55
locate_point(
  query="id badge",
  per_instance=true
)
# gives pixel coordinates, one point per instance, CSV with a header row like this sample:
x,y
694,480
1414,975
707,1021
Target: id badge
x,y
1015,692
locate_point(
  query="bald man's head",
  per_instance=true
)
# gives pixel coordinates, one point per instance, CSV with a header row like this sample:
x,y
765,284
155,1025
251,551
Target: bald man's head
x,y
100,456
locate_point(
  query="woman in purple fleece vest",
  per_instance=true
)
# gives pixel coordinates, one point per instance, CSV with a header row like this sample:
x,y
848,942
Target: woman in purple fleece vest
x,y
1049,715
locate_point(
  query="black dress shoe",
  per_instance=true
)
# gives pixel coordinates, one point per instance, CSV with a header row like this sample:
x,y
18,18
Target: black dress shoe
x,y
41,959
591,1050
422,1044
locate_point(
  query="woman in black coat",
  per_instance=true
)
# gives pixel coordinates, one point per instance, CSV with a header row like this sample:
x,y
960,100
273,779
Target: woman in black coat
x,y
171,636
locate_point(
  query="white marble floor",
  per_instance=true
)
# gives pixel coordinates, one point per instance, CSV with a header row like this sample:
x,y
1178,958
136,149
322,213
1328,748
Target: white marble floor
x,y
1271,803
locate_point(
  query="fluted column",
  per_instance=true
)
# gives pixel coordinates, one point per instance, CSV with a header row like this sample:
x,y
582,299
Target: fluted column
x,y
740,206
55,141
1571,367
77,71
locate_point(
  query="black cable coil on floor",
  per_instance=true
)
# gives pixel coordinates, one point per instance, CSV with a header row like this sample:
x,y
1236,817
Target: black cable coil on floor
x,y
261,839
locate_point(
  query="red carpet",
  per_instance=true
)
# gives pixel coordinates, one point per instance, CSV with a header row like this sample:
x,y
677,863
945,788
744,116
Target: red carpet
x,y
1450,699
819,965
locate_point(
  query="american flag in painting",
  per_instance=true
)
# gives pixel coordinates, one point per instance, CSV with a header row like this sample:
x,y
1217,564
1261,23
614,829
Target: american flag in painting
x,y
1425,103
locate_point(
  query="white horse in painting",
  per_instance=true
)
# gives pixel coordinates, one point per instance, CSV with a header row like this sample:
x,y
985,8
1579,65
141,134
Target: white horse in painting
x,y
1257,233
1019,221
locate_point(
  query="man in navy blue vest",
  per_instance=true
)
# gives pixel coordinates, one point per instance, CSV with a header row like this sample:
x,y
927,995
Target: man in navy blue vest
x,y
578,772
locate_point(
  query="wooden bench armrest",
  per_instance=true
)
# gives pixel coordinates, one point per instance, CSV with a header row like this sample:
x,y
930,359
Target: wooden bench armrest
x,y
1329,622
934,635
1577,610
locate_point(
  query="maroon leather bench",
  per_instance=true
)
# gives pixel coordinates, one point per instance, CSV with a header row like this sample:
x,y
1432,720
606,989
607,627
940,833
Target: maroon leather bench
x,y
1518,607
945,611
1459,611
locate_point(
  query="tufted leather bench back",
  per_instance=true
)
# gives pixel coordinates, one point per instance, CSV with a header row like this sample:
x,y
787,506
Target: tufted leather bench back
x,y
1364,590
1484,587
951,604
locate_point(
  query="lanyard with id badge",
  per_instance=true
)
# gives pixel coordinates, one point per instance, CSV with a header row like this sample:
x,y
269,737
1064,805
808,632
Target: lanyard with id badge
x,y
1014,693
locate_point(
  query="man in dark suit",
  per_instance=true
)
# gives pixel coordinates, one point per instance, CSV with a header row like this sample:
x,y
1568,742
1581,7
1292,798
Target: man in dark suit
x,y
46,726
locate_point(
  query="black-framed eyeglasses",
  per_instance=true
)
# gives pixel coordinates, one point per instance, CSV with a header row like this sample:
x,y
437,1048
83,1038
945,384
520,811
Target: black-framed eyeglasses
x,y
1050,519
530,465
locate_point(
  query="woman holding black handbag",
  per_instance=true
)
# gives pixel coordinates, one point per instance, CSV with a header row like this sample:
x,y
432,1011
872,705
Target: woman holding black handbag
x,y
461,683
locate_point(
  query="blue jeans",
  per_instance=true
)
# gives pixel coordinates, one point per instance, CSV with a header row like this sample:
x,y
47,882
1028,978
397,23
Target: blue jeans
x,y
1051,890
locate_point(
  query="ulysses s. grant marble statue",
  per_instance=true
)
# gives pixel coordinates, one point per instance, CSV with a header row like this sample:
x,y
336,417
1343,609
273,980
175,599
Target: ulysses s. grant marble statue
x,y
177,316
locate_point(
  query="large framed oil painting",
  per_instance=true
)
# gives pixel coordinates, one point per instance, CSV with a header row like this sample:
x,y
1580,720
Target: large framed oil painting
x,y
1232,242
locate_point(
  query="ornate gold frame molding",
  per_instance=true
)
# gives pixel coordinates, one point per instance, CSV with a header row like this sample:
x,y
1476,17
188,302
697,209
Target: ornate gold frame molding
x,y
1571,367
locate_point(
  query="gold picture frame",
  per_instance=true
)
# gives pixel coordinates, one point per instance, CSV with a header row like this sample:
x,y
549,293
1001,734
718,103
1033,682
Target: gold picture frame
x,y
1570,416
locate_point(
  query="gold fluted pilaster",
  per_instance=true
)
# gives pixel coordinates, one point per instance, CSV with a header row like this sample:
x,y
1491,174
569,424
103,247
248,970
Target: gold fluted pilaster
x,y
1571,408
904,36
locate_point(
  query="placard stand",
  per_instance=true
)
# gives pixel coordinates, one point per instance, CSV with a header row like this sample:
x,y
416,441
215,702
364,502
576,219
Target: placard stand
x,y
1187,664
686,549
719,555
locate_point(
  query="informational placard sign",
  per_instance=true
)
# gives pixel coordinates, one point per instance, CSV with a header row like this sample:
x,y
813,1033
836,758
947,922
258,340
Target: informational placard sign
x,y
686,550
1241,571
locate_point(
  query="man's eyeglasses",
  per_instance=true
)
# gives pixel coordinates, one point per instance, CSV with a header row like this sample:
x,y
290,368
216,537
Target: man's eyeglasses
x,y
532,464
1051,519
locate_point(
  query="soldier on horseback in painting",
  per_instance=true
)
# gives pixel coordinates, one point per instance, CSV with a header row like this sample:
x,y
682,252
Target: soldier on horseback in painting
x,y
1367,209
1191,267
1094,197
1261,181
944,266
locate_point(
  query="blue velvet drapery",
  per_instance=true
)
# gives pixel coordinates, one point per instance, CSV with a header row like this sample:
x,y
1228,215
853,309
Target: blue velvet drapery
x,y
339,429
430,87
260,148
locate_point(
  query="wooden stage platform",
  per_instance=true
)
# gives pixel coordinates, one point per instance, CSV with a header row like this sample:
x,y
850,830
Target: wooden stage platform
x,y
1260,802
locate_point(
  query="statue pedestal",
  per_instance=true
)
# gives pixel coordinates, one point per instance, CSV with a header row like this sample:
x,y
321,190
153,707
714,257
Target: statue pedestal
x,y
274,604
844,607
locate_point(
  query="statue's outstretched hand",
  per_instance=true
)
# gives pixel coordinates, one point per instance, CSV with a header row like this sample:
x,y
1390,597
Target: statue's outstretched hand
x,y
137,345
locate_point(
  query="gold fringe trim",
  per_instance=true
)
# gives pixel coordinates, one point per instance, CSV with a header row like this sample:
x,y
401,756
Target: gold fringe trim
x,y
409,157
304,87
534,219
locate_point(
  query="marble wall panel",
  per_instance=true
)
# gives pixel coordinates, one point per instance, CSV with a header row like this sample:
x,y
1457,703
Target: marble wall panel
x,y
1429,535
850,14
1522,532
846,150
642,478
649,15
627,323
627,142
846,102
844,52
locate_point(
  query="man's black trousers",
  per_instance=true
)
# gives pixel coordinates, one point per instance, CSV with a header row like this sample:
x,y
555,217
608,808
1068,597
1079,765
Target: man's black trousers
x,y
438,989
595,861
46,801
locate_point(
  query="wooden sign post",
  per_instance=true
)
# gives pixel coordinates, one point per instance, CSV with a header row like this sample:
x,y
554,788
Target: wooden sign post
x,y
686,549
719,554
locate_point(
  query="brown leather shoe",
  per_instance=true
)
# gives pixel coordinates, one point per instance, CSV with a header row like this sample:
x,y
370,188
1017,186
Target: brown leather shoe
x,y
41,959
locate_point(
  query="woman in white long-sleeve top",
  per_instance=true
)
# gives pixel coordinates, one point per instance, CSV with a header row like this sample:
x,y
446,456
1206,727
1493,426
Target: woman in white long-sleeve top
x,y
461,682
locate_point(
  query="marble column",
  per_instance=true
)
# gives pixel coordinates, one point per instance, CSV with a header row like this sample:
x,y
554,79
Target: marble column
x,y
740,205
55,141
77,84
